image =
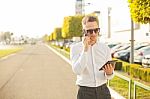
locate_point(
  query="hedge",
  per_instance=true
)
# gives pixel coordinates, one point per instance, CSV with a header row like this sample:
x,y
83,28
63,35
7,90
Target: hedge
x,y
134,70
137,71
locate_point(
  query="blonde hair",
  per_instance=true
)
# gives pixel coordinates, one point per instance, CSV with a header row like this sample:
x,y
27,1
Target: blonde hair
x,y
89,19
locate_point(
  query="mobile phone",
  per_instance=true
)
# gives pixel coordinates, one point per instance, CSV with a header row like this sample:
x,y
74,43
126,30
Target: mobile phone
x,y
85,34
113,62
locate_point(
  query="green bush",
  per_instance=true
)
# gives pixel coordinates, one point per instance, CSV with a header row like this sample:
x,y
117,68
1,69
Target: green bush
x,y
66,49
118,66
126,68
134,70
148,74
143,74
5,52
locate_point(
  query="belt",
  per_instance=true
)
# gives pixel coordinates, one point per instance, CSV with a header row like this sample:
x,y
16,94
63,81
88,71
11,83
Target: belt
x,y
99,87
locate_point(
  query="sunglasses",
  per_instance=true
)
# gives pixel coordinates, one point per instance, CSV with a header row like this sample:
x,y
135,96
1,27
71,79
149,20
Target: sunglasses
x,y
90,31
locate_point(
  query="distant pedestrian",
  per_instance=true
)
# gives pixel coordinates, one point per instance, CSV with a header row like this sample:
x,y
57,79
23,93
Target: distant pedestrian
x,y
87,57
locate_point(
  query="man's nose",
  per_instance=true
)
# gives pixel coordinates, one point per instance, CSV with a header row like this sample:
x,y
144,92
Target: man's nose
x,y
93,32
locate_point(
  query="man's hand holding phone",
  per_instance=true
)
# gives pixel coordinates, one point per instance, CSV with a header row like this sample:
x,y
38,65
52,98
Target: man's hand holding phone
x,y
86,43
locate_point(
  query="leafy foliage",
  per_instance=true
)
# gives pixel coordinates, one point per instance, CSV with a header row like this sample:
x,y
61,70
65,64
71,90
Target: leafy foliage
x,y
45,38
51,36
6,52
140,10
57,33
72,26
54,35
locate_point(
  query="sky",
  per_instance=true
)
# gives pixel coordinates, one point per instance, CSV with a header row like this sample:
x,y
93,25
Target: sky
x,y
34,18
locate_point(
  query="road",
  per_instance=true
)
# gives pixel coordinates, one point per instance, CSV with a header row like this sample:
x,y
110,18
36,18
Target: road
x,y
36,73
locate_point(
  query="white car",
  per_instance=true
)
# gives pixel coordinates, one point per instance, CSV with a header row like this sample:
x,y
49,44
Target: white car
x,y
139,54
146,61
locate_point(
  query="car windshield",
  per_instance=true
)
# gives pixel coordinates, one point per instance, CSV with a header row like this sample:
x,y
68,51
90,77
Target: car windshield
x,y
145,48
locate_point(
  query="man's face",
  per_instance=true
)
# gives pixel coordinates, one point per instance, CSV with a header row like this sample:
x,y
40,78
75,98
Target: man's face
x,y
92,30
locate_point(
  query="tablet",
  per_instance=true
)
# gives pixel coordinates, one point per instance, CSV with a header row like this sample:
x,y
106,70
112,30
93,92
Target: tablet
x,y
113,62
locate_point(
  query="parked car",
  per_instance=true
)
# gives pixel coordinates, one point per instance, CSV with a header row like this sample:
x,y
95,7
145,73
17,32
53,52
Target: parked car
x,y
122,47
146,61
111,45
67,45
139,54
61,44
115,48
125,54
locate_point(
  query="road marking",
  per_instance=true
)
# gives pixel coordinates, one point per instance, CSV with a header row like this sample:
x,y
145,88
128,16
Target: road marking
x,y
63,57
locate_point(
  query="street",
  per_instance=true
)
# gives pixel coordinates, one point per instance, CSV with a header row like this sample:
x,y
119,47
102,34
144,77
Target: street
x,y
36,73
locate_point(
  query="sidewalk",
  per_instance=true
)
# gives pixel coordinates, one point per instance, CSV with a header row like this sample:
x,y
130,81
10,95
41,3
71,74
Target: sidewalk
x,y
114,94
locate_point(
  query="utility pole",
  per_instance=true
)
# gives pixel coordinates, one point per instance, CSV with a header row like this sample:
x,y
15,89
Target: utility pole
x,y
132,42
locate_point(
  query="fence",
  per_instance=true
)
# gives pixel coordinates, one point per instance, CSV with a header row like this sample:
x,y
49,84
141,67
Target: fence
x,y
133,95
142,86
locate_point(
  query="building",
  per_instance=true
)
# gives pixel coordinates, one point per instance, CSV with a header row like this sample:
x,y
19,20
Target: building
x,y
79,7
115,21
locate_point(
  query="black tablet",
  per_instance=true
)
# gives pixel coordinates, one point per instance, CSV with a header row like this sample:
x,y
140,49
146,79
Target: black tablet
x,y
113,62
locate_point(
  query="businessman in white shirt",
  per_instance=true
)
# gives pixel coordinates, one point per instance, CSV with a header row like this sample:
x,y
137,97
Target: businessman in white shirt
x,y
87,57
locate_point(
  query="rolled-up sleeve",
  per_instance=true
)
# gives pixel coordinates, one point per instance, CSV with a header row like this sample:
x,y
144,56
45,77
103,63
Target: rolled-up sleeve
x,y
78,59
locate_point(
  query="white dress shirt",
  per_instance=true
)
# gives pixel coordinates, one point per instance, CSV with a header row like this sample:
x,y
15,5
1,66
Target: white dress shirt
x,y
87,64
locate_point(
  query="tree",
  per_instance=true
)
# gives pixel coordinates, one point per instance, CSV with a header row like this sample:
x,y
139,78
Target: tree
x,y
140,11
77,26
7,37
57,31
72,26
54,35
45,38
65,28
51,37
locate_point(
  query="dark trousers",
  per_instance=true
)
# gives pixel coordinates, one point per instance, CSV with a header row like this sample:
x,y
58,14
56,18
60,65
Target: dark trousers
x,y
101,92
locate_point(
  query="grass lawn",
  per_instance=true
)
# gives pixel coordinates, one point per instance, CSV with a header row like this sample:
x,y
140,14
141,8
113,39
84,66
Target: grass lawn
x,y
5,52
121,86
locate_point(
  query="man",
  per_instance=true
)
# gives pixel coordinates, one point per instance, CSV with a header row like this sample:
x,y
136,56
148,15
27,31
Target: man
x,y
87,57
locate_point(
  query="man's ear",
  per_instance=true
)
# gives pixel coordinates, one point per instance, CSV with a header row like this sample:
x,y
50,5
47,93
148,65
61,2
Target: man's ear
x,y
83,30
